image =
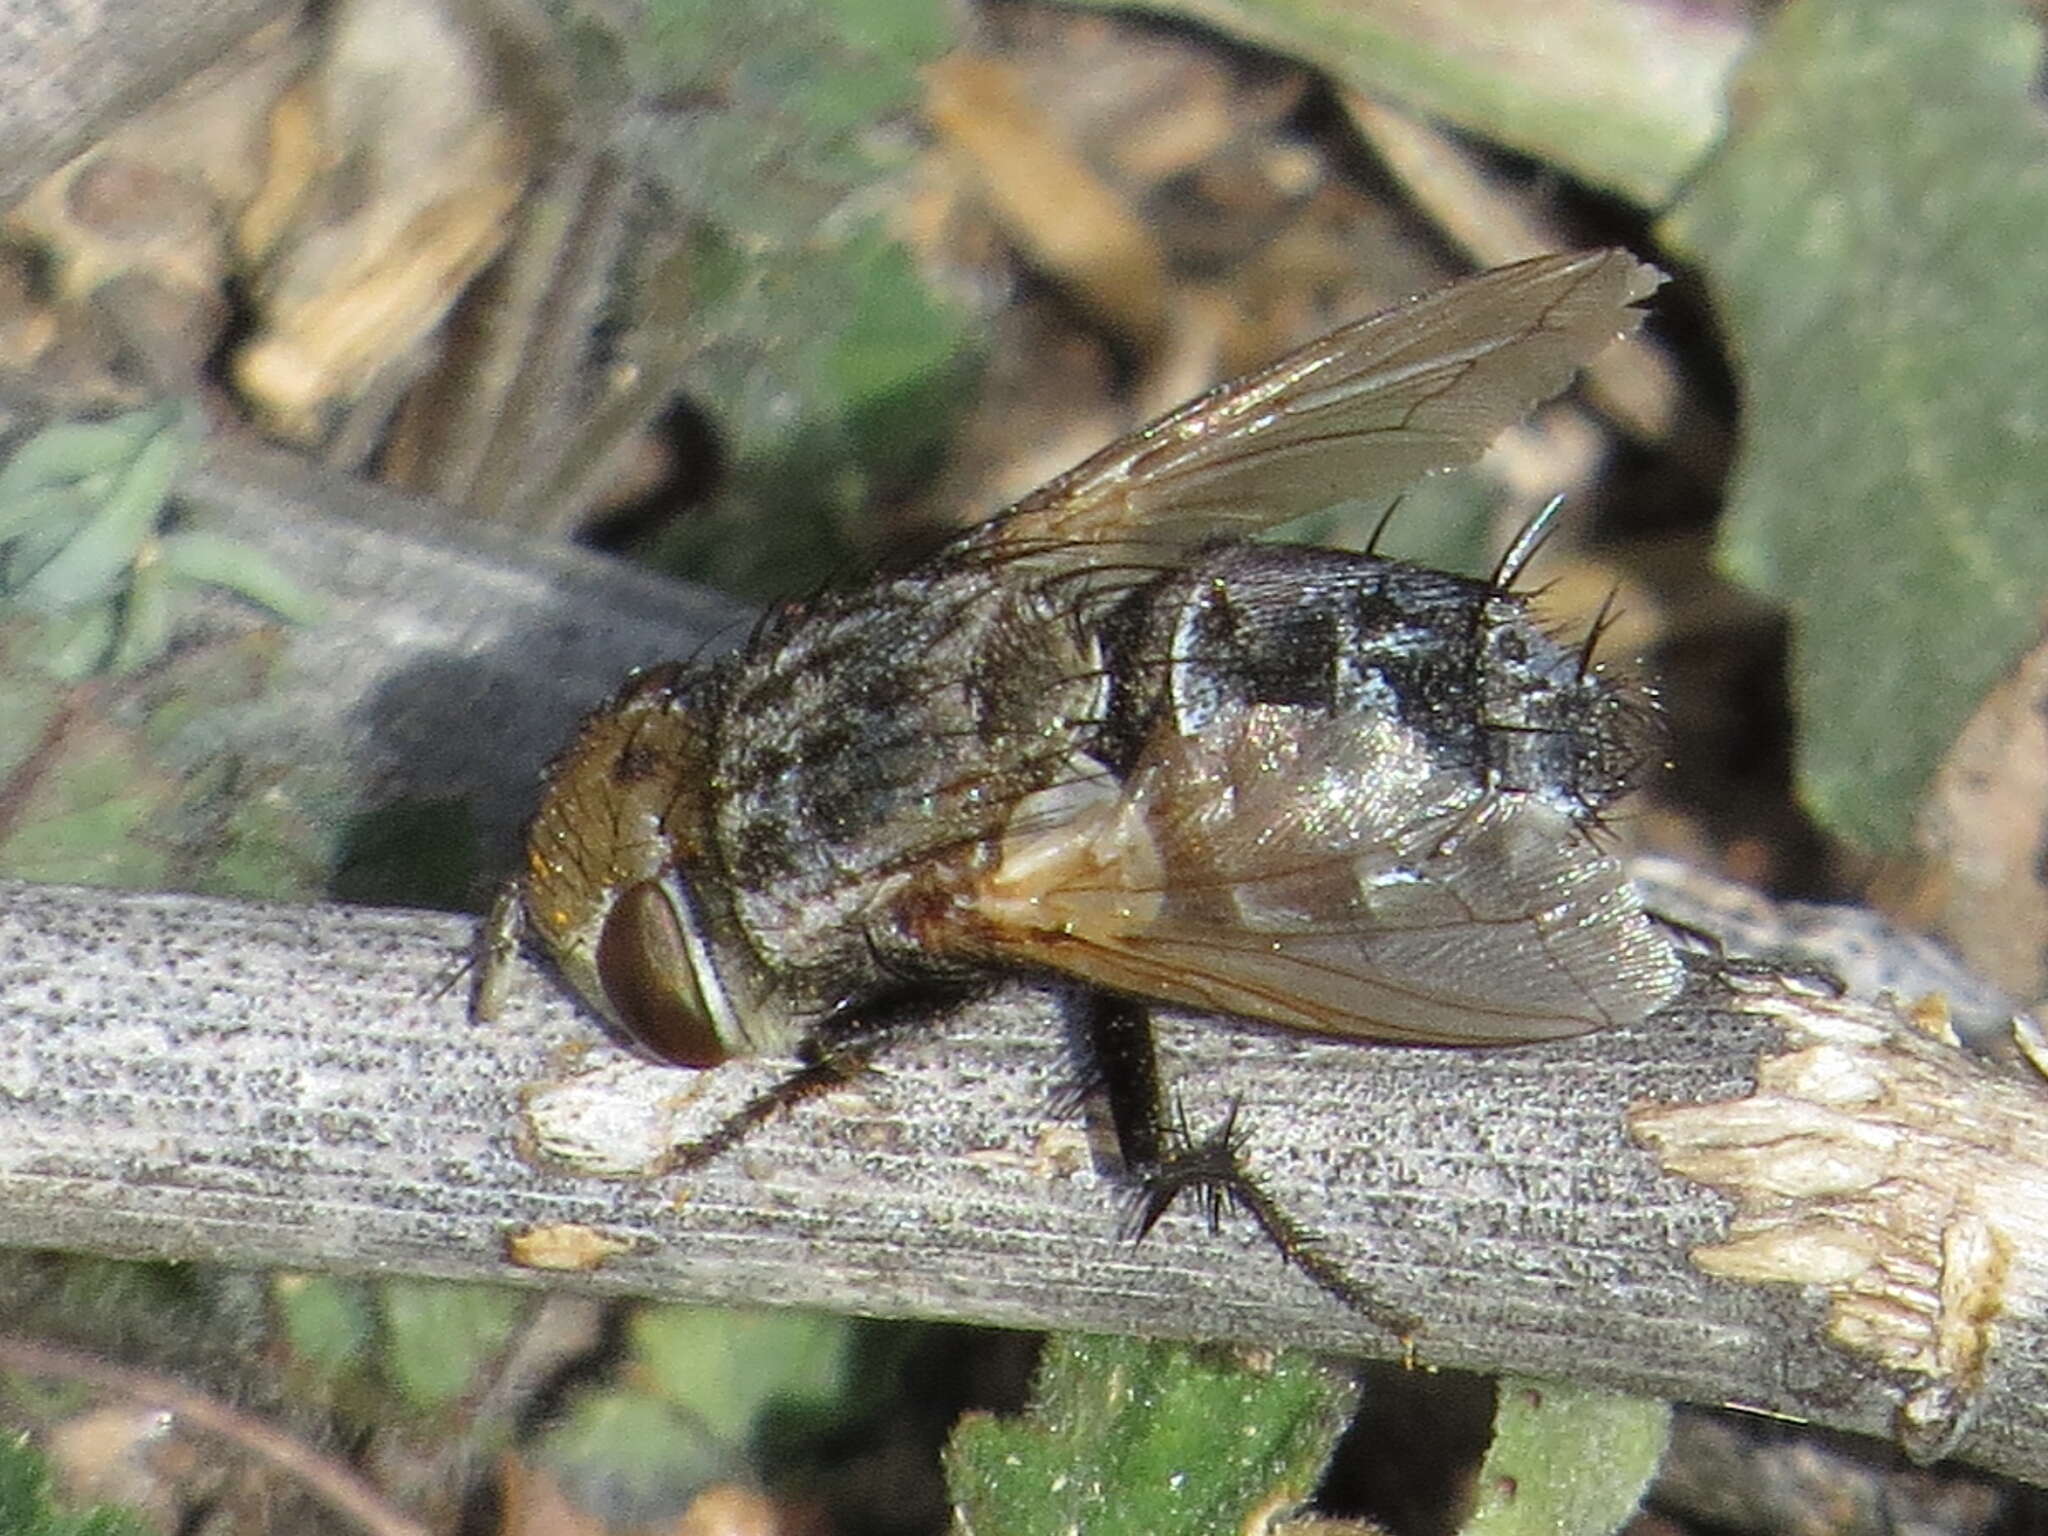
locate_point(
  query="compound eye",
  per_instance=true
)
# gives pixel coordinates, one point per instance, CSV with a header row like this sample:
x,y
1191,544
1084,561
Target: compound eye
x,y
651,982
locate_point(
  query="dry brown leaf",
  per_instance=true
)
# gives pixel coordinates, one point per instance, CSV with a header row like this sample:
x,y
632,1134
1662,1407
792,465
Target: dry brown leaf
x,y
1984,827
1068,220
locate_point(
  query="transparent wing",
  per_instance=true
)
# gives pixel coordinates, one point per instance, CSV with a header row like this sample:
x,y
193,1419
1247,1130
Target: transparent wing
x,y
1262,873
1363,412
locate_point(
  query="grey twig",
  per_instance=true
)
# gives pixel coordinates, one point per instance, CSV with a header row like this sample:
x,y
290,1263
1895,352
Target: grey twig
x,y
297,1086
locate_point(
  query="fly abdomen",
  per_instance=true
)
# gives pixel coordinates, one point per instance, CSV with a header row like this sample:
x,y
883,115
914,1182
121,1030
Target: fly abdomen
x,y
1461,667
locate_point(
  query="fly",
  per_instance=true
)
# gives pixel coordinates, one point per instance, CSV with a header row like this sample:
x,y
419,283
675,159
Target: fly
x,y
1102,738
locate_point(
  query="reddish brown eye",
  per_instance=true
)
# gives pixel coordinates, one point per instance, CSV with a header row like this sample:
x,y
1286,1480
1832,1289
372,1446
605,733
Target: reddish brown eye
x,y
644,965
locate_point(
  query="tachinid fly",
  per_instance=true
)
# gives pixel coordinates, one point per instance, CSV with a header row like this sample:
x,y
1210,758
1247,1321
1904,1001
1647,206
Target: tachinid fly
x,y
1101,737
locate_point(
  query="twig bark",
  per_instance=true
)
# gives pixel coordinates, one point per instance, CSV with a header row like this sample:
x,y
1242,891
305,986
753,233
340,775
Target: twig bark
x,y
290,1086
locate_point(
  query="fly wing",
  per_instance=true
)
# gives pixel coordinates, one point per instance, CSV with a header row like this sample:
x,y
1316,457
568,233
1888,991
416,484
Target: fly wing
x,y
1362,412
1261,873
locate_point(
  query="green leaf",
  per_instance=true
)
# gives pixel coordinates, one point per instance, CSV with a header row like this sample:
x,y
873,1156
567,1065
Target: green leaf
x,y
80,509
27,1509
1595,88
727,1367
632,1459
35,525
95,564
75,645
1566,1461
327,1320
68,452
1148,1438
211,559
1873,236
439,1336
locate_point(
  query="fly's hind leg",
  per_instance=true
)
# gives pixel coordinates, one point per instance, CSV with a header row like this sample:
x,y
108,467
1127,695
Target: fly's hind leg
x,y
1166,1160
839,1051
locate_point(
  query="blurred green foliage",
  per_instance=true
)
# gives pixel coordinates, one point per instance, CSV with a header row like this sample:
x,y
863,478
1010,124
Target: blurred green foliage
x,y
132,782
28,1508
1874,235
329,1323
84,546
832,366
711,1394
424,1345
111,765
440,1337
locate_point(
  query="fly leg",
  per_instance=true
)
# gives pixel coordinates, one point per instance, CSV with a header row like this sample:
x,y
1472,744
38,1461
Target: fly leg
x,y
836,1053
1165,1159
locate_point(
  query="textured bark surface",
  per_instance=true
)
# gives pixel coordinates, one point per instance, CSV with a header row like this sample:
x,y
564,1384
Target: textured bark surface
x,y
284,1086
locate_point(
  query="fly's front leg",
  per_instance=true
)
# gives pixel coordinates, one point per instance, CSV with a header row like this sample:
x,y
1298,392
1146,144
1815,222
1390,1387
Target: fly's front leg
x,y
1165,1159
836,1053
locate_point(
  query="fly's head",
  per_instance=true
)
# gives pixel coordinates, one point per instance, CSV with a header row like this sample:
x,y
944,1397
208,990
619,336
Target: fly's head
x,y
621,886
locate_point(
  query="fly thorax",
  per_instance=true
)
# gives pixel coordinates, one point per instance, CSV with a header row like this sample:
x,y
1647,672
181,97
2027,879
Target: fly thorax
x,y
874,741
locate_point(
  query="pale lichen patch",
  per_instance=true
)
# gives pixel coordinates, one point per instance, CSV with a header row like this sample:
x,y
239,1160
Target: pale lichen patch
x,y
616,1120
1898,1175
